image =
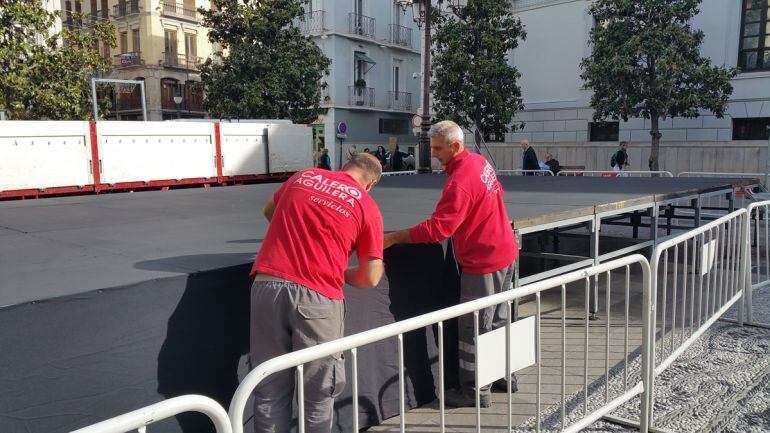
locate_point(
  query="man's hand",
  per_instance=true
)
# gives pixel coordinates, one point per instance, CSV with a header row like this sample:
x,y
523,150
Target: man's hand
x,y
399,237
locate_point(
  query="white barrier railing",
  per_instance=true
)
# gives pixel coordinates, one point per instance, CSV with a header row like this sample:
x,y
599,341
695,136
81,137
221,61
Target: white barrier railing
x,y
521,172
145,416
741,198
399,173
758,254
611,173
708,265
353,342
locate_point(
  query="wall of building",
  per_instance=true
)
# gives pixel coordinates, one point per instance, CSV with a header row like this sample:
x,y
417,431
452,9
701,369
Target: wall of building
x,y
557,108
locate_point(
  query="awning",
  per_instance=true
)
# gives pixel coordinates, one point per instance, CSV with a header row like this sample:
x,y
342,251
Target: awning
x,y
366,59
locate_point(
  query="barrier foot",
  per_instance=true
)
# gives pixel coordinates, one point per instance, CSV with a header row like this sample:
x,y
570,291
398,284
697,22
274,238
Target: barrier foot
x,y
745,323
593,316
631,423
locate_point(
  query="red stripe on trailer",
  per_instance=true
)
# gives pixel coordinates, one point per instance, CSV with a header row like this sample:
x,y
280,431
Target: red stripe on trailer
x,y
218,145
158,183
35,193
95,157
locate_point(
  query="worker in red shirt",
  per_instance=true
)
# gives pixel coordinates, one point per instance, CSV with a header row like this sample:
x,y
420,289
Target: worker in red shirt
x,y
472,212
317,219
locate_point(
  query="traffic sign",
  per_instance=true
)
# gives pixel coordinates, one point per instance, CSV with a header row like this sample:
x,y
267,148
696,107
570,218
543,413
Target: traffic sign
x,y
342,130
416,120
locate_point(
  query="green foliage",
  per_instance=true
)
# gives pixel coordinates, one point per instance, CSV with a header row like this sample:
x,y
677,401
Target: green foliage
x,y
474,84
646,63
267,68
44,74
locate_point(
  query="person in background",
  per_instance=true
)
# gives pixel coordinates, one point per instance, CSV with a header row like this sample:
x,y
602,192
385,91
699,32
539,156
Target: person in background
x,y
528,157
324,161
381,156
366,150
397,159
351,151
552,164
619,161
471,211
318,218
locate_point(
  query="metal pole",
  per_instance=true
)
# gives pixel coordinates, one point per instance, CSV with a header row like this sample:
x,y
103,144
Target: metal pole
x,y
424,164
144,102
93,96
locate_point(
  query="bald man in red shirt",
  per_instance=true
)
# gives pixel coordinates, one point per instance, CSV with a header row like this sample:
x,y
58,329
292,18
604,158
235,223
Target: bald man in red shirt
x,y
318,218
472,212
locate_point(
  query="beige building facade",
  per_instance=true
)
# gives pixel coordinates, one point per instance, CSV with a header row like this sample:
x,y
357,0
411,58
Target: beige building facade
x,y
161,42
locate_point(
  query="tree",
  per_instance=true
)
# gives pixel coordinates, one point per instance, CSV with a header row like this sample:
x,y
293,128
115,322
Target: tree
x,y
44,74
474,84
646,62
266,68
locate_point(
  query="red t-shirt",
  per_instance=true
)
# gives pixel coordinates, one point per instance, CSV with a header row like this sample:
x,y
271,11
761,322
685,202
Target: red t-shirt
x,y
471,210
320,217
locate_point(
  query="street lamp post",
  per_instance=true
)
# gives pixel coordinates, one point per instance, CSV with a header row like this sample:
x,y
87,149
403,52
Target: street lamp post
x,y
421,10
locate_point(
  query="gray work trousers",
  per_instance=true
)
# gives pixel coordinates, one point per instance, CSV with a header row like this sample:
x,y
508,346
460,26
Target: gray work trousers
x,y
286,317
475,286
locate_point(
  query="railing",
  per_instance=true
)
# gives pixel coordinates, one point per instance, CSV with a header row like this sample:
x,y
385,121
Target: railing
x,y
141,418
125,60
361,96
313,22
758,256
400,35
178,10
181,61
521,172
611,173
361,25
707,277
125,8
351,343
400,101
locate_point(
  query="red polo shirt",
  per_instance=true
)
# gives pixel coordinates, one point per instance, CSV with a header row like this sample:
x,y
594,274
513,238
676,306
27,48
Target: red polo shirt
x,y
471,210
320,218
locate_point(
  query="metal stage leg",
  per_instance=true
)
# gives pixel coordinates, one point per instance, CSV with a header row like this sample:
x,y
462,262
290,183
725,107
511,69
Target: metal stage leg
x,y
654,211
594,229
669,216
635,221
731,201
696,205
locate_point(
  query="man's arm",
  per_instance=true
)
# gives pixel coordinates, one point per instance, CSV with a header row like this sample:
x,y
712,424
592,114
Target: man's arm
x,y
367,274
399,237
269,210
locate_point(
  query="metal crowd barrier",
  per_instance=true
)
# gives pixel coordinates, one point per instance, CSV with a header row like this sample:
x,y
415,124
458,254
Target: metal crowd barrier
x,y
742,197
758,255
353,342
612,173
141,418
707,278
521,172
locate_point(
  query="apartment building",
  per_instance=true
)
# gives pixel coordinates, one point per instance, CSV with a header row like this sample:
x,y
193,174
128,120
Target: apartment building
x,y
160,42
558,115
374,85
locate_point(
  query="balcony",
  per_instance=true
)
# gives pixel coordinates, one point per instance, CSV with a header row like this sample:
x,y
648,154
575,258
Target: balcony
x,y
312,23
361,96
125,9
400,35
361,25
127,60
178,10
181,61
192,100
401,101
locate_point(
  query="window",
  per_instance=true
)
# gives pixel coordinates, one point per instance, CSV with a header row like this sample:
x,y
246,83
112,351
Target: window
x,y
394,126
754,51
135,40
106,50
751,128
603,131
105,9
169,39
396,77
123,42
190,47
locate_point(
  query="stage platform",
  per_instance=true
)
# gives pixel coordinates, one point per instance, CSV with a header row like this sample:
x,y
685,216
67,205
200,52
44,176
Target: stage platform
x,y
113,302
